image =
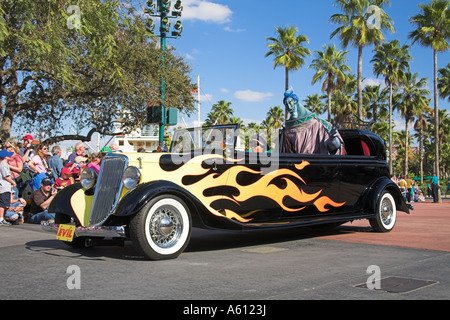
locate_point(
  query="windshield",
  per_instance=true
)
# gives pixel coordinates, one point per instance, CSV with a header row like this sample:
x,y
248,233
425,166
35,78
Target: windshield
x,y
199,139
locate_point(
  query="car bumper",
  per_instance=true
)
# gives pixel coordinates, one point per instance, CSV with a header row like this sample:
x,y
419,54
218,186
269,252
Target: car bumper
x,y
91,232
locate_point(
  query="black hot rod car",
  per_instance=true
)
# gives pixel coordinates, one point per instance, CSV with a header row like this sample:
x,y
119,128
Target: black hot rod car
x,y
210,180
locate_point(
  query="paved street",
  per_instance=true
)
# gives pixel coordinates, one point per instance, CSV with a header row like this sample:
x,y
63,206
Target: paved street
x,y
271,265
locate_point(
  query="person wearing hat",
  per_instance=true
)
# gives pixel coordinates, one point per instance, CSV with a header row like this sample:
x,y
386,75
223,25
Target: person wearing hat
x,y
6,184
106,150
80,163
81,160
64,180
40,201
27,152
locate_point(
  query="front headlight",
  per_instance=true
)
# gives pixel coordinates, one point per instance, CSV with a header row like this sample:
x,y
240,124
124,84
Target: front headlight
x,y
131,177
88,178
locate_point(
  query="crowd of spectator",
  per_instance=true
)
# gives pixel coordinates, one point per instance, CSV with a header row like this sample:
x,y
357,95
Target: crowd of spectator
x,y
31,176
411,192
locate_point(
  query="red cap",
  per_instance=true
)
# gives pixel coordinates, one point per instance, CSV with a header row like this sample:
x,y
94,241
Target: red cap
x,y
27,137
66,171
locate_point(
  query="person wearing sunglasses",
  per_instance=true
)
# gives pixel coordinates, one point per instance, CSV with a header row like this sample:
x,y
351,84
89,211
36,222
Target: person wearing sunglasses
x,y
38,163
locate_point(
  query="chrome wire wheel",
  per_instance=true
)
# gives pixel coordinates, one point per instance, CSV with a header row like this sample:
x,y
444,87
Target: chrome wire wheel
x,y
387,211
162,229
166,226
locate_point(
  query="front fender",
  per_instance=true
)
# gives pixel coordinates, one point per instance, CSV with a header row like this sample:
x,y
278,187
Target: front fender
x,y
61,204
136,199
377,190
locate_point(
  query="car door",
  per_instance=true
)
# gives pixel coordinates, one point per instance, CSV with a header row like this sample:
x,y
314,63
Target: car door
x,y
317,186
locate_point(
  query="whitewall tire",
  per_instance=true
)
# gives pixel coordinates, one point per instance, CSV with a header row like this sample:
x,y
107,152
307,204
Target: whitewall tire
x,y
162,229
385,215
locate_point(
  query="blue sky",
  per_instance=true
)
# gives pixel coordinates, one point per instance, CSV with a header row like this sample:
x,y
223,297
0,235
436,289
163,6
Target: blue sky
x,y
225,43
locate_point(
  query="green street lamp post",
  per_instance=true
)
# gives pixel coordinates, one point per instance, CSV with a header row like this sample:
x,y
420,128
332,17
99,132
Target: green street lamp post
x,y
163,9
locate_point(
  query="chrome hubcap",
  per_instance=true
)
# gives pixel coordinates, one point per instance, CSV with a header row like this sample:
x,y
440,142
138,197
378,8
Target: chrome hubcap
x,y
386,211
166,226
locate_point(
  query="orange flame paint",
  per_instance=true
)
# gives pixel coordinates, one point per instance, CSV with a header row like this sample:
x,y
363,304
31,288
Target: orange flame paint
x,y
263,187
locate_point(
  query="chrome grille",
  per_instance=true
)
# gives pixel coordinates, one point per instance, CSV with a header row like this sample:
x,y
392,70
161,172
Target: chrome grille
x,y
108,188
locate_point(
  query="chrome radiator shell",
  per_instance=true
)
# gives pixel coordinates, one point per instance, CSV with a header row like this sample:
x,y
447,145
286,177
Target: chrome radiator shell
x,y
108,188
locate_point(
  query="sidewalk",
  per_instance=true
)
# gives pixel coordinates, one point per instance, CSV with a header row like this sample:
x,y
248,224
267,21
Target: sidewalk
x,y
426,227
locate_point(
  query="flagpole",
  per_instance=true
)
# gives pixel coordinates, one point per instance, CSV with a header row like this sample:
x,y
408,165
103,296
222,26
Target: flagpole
x,y
199,125
198,101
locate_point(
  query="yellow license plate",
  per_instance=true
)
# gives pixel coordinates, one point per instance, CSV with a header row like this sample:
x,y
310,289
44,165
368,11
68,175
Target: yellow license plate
x,y
65,232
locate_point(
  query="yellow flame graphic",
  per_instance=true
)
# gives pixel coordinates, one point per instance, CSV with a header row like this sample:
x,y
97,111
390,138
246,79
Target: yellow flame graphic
x,y
263,187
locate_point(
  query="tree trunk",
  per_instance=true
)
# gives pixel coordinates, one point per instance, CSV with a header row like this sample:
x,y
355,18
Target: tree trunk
x,y
406,146
8,117
436,117
360,98
421,154
286,109
11,107
390,127
329,106
436,121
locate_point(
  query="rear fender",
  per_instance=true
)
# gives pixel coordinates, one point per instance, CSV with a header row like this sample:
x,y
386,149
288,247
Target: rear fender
x,y
377,189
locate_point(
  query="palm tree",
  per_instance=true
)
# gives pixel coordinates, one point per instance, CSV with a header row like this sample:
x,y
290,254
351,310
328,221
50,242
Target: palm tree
x,y
392,62
399,138
235,120
444,132
314,104
444,82
220,113
374,99
343,105
275,117
433,30
255,127
356,28
288,50
410,101
330,66
420,125
381,129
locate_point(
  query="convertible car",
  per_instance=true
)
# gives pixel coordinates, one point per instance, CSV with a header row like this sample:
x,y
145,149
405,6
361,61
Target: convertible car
x,y
211,179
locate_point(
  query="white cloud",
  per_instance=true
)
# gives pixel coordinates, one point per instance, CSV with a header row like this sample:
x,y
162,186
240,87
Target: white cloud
x,y
252,96
246,121
206,11
234,30
399,125
373,82
206,98
224,90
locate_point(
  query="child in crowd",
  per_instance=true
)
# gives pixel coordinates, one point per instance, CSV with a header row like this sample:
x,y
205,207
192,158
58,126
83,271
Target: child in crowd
x,y
65,179
14,214
6,184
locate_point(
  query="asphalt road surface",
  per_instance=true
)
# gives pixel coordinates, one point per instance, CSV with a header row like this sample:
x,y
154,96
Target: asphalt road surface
x,y
412,262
